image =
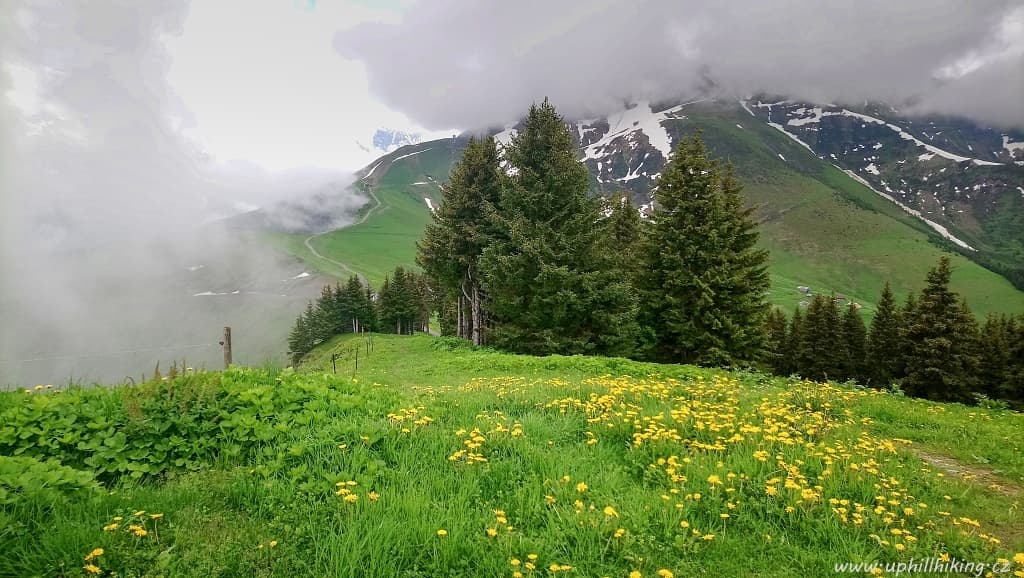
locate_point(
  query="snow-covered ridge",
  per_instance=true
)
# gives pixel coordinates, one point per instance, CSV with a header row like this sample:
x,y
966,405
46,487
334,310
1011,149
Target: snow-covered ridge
x,y
640,118
430,204
1012,147
408,155
937,227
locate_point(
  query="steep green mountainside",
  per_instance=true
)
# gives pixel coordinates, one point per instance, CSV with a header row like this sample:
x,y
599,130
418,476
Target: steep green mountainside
x,y
824,229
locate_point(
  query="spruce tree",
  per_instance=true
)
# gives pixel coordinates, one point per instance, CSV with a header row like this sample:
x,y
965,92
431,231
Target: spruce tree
x,y
1015,363
703,282
822,350
462,226
884,357
938,359
622,231
994,357
302,340
854,336
550,286
778,341
794,343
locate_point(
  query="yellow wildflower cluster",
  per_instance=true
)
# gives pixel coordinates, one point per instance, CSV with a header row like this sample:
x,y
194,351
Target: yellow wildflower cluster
x,y
490,425
349,496
410,416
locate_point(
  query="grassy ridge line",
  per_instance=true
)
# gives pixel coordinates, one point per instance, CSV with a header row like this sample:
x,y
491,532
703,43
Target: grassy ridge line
x,y
400,436
827,231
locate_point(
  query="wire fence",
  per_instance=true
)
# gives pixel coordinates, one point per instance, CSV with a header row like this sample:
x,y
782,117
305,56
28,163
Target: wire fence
x,y
351,355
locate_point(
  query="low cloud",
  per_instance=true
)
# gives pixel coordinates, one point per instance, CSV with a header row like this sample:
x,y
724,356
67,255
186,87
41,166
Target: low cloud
x,y
112,221
456,63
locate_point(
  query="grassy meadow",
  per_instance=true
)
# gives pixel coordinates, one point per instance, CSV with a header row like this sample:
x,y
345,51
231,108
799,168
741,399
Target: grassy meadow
x,y
436,459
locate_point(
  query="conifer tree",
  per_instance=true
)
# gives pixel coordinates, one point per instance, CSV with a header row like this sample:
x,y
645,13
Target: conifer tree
x,y
794,343
301,340
462,226
778,341
821,349
854,336
884,357
938,359
1015,364
994,357
550,287
703,281
623,229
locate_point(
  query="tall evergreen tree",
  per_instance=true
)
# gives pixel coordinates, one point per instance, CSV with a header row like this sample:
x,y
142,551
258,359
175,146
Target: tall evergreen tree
x,y
550,286
302,340
938,359
794,343
1015,370
622,231
776,354
854,337
462,226
994,356
704,280
822,350
884,357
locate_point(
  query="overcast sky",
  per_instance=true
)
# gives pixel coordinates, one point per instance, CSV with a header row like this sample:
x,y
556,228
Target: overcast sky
x,y
456,62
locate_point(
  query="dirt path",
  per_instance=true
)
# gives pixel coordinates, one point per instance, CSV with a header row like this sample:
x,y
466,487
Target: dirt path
x,y
371,180
973,473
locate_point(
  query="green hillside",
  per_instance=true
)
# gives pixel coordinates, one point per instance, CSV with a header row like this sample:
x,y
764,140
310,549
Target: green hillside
x,y
823,229
435,459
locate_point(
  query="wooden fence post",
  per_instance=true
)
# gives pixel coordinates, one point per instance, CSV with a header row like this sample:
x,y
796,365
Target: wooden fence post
x,y
227,347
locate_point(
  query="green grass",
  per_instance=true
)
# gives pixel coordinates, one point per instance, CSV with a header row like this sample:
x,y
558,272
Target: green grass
x,y
643,439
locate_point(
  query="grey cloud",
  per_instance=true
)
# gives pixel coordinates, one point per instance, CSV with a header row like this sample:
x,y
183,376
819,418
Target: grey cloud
x,y
480,63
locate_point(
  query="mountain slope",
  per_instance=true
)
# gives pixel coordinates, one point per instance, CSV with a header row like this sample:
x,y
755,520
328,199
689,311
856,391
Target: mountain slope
x,y
824,229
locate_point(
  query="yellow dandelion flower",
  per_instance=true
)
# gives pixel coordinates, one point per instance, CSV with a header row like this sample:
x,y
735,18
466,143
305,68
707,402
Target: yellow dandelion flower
x,y
723,515
707,537
636,574
442,532
665,573
581,487
684,524
515,562
156,516
517,574
93,554
272,543
620,532
610,512
492,532
118,518
373,496
351,498
1019,558
110,527
900,547
714,480
531,557
139,513
91,568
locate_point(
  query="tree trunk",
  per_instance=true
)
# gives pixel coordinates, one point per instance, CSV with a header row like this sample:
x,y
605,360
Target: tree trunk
x,y
458,317
476,315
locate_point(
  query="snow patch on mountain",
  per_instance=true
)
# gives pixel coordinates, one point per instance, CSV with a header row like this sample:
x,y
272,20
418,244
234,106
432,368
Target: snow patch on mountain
x,y
937,227
430,204
396,159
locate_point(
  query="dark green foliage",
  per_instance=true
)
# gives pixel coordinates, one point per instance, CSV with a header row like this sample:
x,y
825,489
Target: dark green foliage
x,y
302,339
42,483
703,280
338,310
550,286
854,341
995,351
884,348
402,304
794,344
822,351
940,356
462,226
181,423
776,350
